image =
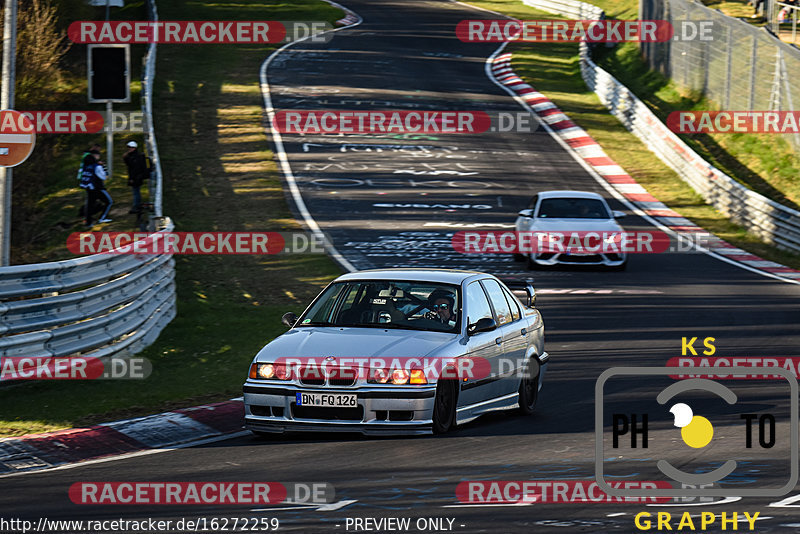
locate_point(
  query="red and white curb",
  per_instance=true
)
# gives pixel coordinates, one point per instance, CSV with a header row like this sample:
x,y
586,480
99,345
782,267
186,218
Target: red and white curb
x,y
169,429
349,19
616,177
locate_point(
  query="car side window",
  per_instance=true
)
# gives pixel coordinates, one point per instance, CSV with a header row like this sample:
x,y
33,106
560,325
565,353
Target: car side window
x,y
477,303
513,303
499,302
533,202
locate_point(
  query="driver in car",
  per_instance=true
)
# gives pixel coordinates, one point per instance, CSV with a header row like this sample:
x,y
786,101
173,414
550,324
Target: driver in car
x,y
441,303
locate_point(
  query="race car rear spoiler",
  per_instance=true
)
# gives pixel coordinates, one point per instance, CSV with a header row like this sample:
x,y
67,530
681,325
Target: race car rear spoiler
x,y
521,284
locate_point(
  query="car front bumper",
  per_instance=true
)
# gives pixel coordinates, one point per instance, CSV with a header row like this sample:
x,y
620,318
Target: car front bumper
x,y
271,407
609,260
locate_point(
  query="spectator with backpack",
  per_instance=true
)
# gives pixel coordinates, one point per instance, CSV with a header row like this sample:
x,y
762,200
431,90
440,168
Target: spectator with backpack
x,y
137,172
93,177
87,152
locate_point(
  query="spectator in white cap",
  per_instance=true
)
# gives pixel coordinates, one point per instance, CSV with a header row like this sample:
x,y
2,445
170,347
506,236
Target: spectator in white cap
x,y
137,172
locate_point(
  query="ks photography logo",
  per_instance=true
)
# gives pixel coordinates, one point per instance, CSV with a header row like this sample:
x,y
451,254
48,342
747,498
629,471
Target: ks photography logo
x,y
704,427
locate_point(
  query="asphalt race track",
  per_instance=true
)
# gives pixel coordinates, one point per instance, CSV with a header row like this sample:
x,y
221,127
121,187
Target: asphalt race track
x,y
396,201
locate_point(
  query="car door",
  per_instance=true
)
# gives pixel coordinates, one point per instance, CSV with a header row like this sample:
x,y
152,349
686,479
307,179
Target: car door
x,y
486,345
515,342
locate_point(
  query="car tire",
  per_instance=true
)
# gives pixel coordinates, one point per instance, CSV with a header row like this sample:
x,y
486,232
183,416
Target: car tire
x,y
529,389
444,406
519,257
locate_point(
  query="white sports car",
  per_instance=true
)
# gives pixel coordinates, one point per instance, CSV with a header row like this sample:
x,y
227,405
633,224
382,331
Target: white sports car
x,y
400,351
574,213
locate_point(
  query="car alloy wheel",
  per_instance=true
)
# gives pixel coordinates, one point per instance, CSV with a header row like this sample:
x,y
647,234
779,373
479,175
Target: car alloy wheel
x,y
444,407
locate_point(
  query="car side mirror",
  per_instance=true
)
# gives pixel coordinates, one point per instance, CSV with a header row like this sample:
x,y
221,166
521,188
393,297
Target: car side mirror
x,y
531,292
485,324
619,214
289,319
526,213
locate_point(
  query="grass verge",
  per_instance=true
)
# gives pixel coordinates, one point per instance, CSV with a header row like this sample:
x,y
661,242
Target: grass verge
x,y
46,192
219,175
554,70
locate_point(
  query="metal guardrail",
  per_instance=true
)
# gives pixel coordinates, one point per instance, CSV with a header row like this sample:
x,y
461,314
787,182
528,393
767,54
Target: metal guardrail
x,y
97,305
773,222
100,305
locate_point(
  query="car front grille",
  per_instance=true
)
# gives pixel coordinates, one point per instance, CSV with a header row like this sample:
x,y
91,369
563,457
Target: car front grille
x,y
341,381
309,381
338,377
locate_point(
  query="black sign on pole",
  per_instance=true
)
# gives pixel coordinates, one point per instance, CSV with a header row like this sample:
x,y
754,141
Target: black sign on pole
x,y
109,73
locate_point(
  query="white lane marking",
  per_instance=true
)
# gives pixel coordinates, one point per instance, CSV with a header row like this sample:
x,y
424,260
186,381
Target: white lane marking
x,y
726,500
281,152
335,505
605,185
328,507
787,502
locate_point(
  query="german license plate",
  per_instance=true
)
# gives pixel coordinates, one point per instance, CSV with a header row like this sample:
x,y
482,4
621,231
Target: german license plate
x,y
337,400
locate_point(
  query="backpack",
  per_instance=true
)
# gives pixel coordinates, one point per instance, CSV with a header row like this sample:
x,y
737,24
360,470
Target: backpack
x,y
87,175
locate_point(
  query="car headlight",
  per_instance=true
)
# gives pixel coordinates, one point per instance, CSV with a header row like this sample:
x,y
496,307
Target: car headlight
x,y
269,371
266,370
378,376
398,377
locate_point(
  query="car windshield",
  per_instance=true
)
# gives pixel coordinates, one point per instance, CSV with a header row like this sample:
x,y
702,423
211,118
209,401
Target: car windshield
x,y
387,304
572,208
